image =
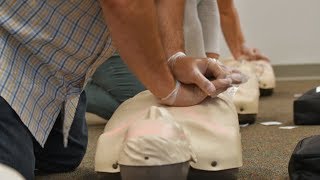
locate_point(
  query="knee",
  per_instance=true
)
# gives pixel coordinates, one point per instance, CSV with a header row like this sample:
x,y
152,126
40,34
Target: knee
x,y
62,160
75,157
68,164
76,160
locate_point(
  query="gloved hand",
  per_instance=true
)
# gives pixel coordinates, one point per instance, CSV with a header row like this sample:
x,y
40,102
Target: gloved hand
x,y
199,71
190,94
235,75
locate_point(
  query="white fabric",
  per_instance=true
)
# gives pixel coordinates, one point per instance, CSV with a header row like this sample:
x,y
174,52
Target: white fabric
x,y
212,128
201,27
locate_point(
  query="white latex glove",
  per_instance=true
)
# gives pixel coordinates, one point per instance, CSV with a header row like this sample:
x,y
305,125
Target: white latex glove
x,y
190,94
199,71
200,78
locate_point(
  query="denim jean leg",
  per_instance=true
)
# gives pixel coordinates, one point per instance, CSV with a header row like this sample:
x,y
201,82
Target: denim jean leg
x,y
112,84
16,144
54,157
100,101
115,77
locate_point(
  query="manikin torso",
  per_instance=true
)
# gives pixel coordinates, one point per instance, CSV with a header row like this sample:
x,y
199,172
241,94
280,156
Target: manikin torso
x,y
211,130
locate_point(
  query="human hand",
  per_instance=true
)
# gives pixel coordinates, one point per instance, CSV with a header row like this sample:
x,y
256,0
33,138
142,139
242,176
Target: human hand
x,y
198,71
190,94
251,54
259,55
237,76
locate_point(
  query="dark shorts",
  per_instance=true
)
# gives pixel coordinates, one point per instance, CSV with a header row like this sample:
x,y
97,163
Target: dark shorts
x,y
19,150
111,84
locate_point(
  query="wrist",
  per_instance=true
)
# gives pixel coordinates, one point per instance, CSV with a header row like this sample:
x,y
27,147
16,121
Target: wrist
x,y
172,59
238,49
163,82
172,96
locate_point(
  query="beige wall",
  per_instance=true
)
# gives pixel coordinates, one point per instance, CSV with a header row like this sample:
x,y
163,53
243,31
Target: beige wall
x,y
287,30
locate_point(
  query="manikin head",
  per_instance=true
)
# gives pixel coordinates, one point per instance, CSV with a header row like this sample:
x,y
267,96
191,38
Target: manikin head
x,y
155,147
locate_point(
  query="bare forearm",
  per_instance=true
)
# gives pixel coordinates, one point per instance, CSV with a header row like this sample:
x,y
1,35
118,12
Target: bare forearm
x,y
231,28
134,30
170,18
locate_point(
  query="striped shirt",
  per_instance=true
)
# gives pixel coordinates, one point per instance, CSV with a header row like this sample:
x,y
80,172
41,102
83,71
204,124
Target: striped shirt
x,y
48,51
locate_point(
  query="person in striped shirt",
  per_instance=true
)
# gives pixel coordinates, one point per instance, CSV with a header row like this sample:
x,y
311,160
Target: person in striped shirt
x,y
50,49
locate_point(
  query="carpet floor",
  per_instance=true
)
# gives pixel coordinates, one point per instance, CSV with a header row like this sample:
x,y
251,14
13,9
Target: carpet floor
x,y
266,149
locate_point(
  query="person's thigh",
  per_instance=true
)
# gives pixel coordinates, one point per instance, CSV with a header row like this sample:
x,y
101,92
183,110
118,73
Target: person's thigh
x,y
54,157
16,144
100,101
115,78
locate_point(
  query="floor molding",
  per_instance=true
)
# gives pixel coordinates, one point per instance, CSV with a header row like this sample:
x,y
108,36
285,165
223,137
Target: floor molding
x,y
304,78
297,72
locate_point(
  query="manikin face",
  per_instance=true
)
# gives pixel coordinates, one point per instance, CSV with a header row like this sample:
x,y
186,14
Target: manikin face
x,y
158,122
155,139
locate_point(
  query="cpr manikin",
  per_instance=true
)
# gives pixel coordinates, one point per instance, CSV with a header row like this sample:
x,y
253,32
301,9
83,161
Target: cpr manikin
x,y
146,140
246,99
266,77
7,172
158,145
261,82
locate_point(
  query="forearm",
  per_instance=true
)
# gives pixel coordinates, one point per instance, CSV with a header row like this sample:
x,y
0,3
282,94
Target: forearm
x,y
231,28
170,18
134,30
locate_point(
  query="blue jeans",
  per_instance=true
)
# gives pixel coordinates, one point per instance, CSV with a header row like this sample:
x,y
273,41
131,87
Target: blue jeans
x,y
19,150
110,85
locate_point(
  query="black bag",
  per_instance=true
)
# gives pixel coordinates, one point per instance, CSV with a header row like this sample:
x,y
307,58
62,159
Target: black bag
x,y
305,160
307,108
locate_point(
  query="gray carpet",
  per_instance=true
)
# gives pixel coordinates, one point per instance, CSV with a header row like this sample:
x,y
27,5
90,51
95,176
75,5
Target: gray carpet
x,y
266,149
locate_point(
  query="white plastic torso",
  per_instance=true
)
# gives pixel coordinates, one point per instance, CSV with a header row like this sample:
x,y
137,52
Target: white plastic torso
x,y
265,74
246,98
212,128
7,172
